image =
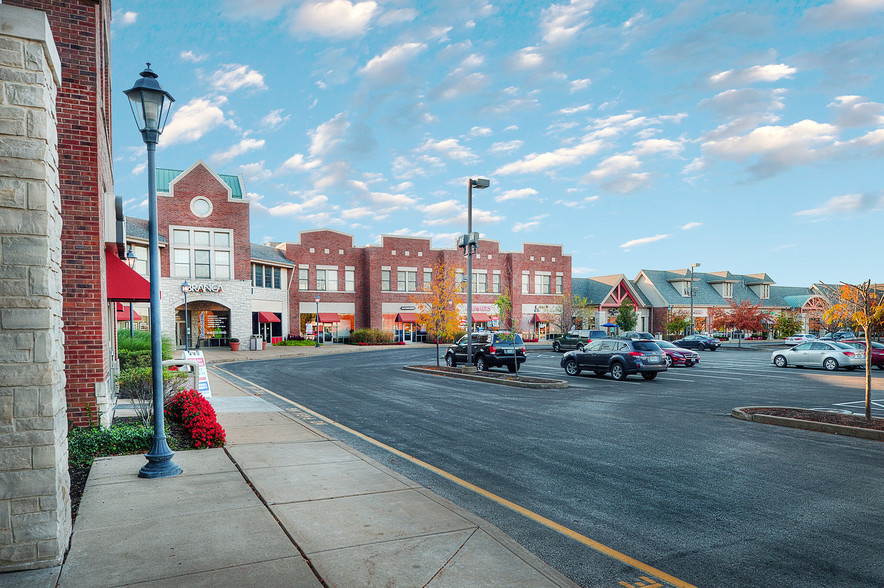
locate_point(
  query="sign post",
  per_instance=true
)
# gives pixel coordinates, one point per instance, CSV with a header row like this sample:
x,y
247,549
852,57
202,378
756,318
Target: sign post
x,y
197,356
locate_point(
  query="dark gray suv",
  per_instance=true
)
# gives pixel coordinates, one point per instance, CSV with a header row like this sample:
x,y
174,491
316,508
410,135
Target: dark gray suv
x,y
489,350
620,357
577,338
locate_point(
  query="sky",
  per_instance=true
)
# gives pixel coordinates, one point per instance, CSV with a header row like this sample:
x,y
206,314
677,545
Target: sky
x,y
744,136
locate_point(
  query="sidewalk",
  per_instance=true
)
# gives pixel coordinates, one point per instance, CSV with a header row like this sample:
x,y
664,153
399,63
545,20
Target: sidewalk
x,y
282,505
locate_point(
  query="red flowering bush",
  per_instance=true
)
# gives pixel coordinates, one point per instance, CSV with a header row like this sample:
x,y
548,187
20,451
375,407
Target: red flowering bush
x,y
192,410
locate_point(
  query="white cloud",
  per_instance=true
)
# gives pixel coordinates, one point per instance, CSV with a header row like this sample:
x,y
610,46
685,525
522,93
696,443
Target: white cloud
x,y
612,166
242,147
519,194
855,111
299,208
255,201
480,132
528,58
752,75
745,101
392,200
125,18
193,120
397,16
327,135
690,225
441,209
538,162
505,146
233,76
575,109
651,146
846,204
578,203
643,241
274,119
843,13
336,19
577,85
255,171
560,23
389,67
449,148
297,163
358,212
192,57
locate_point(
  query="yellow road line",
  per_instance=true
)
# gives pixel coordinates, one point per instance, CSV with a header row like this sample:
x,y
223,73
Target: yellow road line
x,y
490,495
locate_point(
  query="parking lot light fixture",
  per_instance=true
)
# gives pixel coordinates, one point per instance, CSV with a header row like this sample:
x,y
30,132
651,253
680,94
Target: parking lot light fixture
x,y
317,321
471,246
693,265
150,106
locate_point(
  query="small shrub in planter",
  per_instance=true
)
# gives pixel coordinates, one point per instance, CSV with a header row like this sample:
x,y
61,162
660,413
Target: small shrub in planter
x,y
192,410
372,337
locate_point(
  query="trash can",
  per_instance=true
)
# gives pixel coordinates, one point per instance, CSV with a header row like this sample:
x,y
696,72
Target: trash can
x,y
256,343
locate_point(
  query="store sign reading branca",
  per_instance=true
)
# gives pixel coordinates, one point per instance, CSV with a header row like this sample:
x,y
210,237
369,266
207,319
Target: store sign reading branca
x,y
206,288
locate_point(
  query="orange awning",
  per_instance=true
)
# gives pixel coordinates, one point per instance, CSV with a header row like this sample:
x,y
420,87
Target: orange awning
x,y
124,284
329,317
267,317
123,313
406,317
537,319
480,317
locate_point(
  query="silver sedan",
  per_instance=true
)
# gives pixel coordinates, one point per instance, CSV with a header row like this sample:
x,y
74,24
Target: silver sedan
x,y
829,355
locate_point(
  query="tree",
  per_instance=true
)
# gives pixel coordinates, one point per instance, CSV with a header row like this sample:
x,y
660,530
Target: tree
x,y
862,305
744,316
786,325
573,305
676,322
626,317
504,304
718,319
438,310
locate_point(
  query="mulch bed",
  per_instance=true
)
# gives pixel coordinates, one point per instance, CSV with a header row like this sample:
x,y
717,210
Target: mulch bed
x,y
819,416
498,375
178,439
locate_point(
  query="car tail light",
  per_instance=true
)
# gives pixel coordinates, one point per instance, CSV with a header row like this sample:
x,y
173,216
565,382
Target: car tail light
x,y
636,354
848,353
492,350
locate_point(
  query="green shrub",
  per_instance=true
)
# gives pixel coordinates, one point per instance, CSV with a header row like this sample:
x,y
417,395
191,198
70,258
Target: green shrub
x,y
141,341
87,443
298,343
373,336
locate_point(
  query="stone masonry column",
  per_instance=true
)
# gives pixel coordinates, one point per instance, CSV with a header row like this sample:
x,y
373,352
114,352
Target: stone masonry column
x,y
35,516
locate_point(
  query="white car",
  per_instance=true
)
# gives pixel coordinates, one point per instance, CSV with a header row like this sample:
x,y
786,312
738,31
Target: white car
x,y
800,338
829,355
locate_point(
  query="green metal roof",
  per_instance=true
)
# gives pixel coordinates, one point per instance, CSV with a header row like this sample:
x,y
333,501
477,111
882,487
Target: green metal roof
x,y
165,177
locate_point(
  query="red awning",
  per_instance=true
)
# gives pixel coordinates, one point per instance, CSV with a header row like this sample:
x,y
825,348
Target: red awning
x,y
406,317
123,283
123,313
329,317
268,317
480,317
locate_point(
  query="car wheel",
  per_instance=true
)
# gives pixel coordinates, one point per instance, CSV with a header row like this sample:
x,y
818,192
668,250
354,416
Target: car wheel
x,y
557,346
669,362
701,347
481,364
617,371
831,364
571,368
779,361
449,360
649,375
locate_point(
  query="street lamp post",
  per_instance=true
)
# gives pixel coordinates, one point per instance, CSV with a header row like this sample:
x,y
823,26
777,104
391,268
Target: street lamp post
x,y
150,108
185,288
317,321
693,265
471,244
130,261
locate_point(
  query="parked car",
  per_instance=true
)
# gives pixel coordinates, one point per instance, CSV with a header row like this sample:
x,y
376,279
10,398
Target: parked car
x,y
577,338
489,350
800,338
676,355
637,335
830,355
838,335
698,342
877,350
619,357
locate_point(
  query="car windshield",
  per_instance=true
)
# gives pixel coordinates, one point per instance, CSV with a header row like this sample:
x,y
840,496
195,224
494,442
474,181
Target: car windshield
x,y
508,339
645,346
841,345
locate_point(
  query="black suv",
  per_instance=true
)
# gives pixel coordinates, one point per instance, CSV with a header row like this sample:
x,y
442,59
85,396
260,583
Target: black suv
x,y
489,350
577,338
621,357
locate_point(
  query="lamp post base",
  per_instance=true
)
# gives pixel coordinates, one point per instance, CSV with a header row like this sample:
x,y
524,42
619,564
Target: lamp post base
x,y
159,461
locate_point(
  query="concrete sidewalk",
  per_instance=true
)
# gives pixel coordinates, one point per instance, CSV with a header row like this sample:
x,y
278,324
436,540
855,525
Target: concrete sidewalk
x,y
282,505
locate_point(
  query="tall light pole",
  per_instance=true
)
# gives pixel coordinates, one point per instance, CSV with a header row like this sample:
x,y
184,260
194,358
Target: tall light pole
x,y
317,321
150,108
185,288
693,265
130,261
471,243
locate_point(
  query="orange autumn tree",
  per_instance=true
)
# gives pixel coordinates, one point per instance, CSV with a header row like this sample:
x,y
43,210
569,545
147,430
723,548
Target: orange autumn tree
x,y
744,316
438,306
861,305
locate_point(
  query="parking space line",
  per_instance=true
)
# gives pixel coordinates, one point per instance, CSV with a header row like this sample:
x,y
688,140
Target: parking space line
x,y
600,547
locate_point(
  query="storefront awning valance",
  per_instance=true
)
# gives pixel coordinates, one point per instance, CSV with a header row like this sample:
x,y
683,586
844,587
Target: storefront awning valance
x,y
267,317
406,317
480,317
123,313
329,317
537,319
123,283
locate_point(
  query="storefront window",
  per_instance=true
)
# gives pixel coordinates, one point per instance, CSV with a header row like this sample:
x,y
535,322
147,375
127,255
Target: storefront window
x,y
327,280
193,254
480,283
385,280
495,283
525,283
407,281
559,284
350,280
541,283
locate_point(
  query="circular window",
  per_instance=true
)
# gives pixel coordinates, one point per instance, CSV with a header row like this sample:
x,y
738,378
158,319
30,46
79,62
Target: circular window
x,y
201,207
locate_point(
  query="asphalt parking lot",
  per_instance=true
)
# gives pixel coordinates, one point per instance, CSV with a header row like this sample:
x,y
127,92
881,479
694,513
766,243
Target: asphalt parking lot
x,y
655,471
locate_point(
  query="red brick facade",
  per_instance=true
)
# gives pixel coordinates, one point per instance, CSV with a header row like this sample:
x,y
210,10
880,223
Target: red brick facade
x,y
81,30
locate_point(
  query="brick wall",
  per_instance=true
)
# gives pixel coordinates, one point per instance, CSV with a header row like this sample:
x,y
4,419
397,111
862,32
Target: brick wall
x,y
81,32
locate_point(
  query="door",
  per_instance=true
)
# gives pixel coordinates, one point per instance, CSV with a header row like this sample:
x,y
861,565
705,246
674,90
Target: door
x,y
460,350
587,358
798,354
817,353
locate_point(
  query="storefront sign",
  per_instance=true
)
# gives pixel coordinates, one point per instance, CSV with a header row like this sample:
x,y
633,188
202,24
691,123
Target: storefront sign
x,y
215,288
197,356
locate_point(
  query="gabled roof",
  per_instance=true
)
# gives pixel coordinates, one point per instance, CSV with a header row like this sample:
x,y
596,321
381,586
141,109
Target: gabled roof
x,y
165,177
269,254
597,289
705,293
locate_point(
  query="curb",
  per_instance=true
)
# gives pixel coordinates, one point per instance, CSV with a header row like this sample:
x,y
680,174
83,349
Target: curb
x,y
548,384
871,434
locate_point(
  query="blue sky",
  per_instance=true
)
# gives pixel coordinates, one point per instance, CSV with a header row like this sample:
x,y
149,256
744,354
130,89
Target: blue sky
x,y
746,136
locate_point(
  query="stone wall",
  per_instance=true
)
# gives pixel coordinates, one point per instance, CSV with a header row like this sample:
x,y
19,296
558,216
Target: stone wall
x,y
35,522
